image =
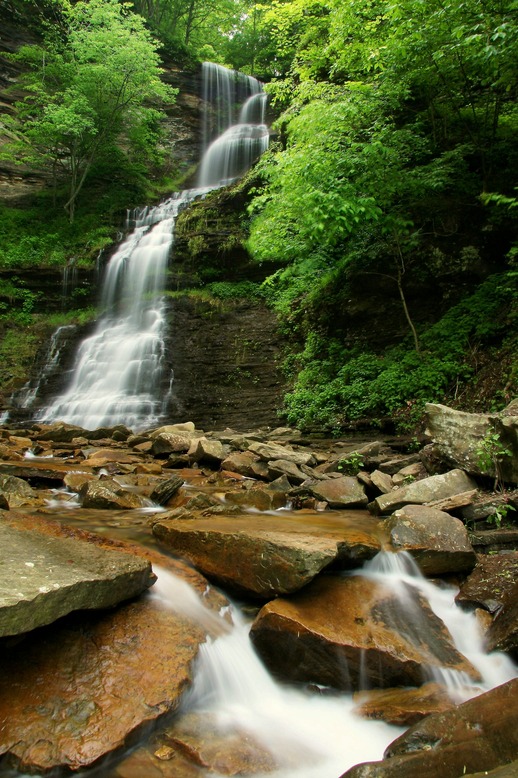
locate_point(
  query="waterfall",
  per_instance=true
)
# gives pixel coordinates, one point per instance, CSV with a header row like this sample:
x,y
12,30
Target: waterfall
x,y
239,140
121,374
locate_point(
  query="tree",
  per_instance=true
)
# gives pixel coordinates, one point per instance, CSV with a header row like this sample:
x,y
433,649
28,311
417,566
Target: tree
x,y
93,84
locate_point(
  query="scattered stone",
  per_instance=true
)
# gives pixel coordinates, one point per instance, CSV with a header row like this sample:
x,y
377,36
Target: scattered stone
x,y
60,433
17,491
393,466
484,507
342,492
480,734
436,487
438,542
240,462
278,467
49,570
258,499
205,450
455,502
170,443
339,630
382,481
402,707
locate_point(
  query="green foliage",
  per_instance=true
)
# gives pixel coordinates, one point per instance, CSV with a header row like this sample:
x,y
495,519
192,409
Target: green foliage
x,y
89,88
490,453
334,386
227,290
351,464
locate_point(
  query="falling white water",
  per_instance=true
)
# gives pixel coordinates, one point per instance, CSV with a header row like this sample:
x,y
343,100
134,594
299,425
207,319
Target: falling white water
x,y
309,735
120,375
399,571
118,369
231,143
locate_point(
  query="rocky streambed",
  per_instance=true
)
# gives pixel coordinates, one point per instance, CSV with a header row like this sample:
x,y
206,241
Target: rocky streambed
x,y
377,581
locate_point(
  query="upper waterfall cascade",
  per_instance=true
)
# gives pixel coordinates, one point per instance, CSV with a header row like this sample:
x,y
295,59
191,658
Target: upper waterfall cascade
x,y
120,370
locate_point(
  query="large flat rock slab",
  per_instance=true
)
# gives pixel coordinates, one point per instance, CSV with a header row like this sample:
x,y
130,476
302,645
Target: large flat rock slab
x,y
119,671
346,631
270,555
48,570
427,490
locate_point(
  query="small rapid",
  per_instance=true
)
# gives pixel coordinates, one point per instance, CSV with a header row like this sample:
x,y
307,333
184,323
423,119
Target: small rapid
x,y
313,734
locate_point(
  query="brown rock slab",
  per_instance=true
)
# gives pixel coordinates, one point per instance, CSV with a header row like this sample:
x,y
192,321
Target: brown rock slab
x,y
48,570
340,630
240,462
402,707
438,542
108,494
272,555
480,734
272,451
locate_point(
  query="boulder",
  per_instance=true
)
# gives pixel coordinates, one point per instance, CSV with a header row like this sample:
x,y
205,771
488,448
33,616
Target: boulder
x,y
502,635
436,487
343,492
438,542
60,433
118,673
17,491
348,631
480,734
186,429
108,494
457,437
170,443
164,490
49,570
280,467
271,556
382,481
205,450
402,707
487,586
240,462
272,451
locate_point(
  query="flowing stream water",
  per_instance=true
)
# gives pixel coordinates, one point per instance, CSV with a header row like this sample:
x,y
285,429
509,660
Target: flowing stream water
x,y
120,371
316,735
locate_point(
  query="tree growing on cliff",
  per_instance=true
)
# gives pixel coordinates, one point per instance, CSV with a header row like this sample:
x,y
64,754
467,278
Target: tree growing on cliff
x,y
92,86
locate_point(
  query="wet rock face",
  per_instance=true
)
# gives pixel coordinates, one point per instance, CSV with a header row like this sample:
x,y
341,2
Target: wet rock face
x,y
478,735
50,570
343,632
116,673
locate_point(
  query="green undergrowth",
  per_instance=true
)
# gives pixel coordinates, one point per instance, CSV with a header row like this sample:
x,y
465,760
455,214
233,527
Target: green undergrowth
x,y
219,292
334,386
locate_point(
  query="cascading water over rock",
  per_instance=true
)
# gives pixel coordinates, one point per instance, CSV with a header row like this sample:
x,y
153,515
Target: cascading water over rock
x,y
121,370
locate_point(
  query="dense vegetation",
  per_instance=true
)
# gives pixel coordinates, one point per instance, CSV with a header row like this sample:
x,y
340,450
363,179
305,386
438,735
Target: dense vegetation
x,y
396,160
391,177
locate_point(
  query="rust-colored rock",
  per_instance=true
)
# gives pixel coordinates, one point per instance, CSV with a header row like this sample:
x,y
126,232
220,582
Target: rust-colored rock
x,y
493,577
273,555
341,631
478,735
117,673
502,635
402,707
